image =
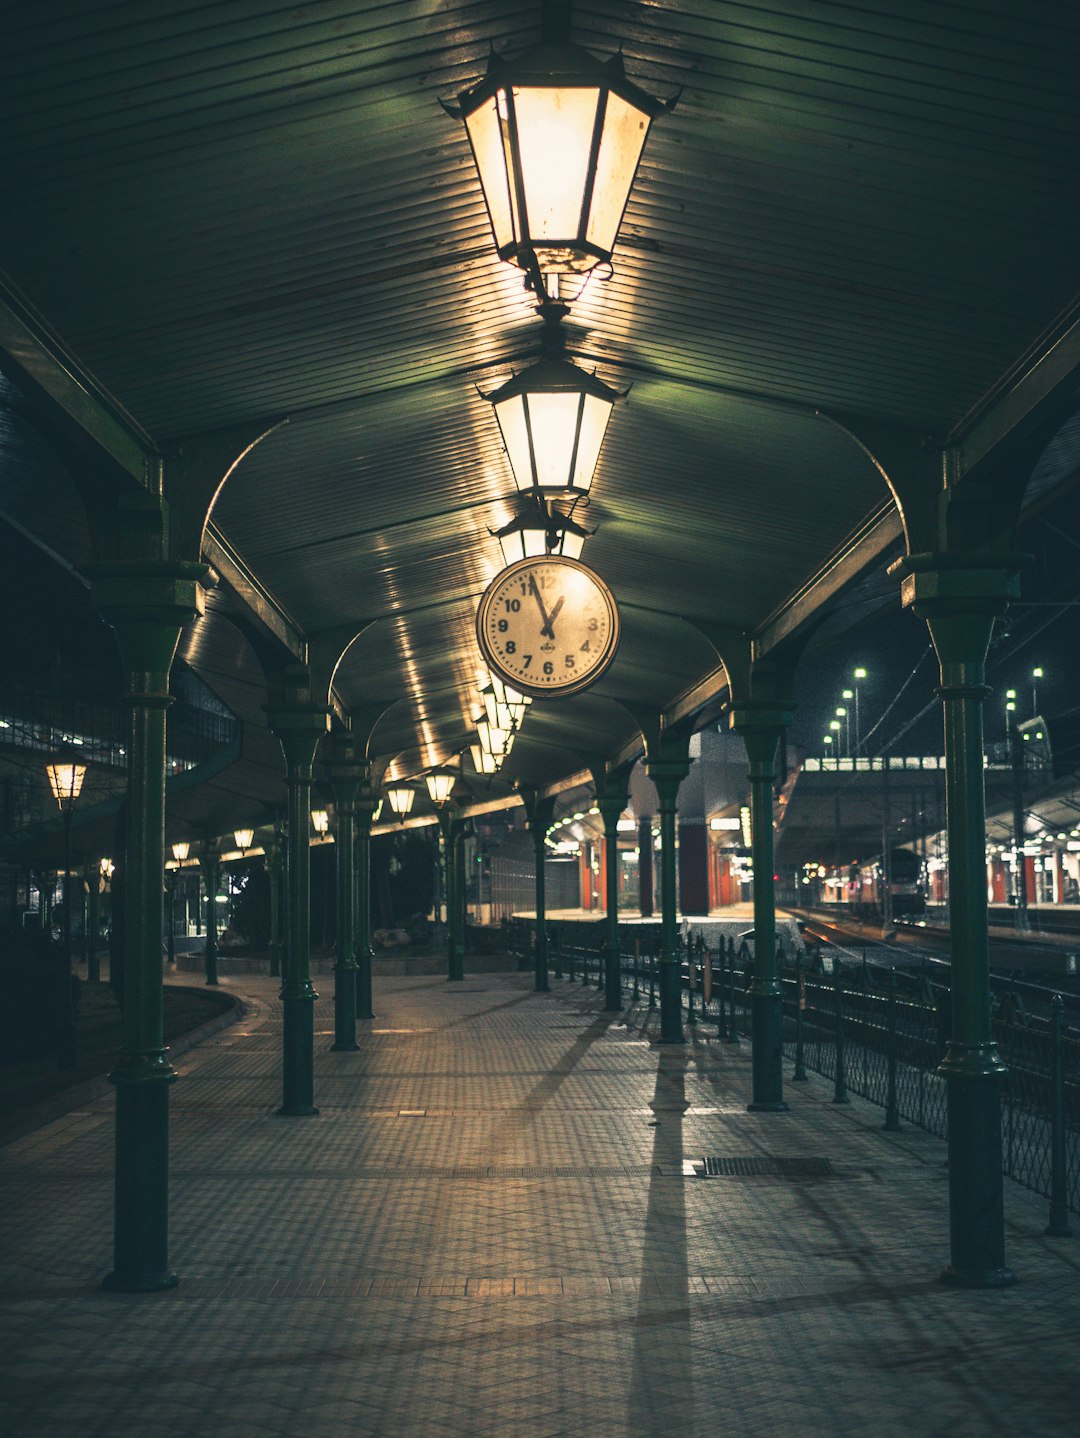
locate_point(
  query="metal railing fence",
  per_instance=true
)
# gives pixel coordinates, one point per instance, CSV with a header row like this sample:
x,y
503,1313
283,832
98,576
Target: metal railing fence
x,y
874,1031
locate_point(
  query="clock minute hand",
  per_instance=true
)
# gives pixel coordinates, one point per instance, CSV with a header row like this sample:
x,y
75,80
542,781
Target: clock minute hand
x,y
549,626
545,628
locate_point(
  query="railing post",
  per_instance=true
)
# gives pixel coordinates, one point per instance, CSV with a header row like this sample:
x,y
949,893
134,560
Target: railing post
x,y
892,1110
637,966
799,1076
840,1093
1058,1227
733,1023
691,1017
652,980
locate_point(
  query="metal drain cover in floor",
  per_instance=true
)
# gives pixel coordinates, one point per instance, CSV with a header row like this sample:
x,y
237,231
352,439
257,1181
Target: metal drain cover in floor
x,y
762,1166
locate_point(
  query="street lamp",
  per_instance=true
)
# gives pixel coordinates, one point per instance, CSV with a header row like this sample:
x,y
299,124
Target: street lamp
x,y
1036,674
66,781
857,674
842,713
556,136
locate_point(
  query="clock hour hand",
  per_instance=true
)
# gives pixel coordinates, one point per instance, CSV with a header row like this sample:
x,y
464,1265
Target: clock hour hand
x,y
548,628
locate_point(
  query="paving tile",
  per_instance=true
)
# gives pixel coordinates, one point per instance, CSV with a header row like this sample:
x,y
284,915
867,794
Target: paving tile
x,y
489,1231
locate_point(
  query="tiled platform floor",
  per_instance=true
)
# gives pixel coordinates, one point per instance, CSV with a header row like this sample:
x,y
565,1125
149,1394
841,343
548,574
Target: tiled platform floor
x,y
488,1231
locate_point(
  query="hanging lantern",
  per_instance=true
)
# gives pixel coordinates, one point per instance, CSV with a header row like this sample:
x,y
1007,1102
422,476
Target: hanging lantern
x,y
401,798
540,528
553,417
440,783
321,820
181,850
556,135
244,837
483,762
495,740
65,781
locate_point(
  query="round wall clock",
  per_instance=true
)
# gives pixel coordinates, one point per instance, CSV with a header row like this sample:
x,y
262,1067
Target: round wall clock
x,y
548,625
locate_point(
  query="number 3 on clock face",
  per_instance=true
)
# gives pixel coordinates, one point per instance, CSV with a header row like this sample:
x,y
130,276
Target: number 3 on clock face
x,y
548,625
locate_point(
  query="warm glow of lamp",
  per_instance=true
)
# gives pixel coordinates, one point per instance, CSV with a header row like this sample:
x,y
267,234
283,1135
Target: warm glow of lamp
x,y
401,798
440,783
65,781
483,762
493,739
244,837
376,812
556,135
553,417
321,820
181,850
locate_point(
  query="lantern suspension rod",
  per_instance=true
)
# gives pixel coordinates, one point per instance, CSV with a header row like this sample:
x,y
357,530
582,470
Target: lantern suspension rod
x,y
555,23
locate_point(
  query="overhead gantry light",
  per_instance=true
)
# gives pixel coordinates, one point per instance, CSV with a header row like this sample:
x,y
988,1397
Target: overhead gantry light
x,y
557,136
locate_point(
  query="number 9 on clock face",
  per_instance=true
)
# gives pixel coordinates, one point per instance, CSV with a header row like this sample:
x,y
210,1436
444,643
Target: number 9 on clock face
x,y
548,625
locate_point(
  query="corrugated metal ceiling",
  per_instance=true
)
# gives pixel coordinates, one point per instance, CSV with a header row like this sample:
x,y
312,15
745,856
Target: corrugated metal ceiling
x,y
247,210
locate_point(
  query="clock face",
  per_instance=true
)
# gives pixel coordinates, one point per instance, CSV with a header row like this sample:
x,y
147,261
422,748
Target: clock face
x,y
548,626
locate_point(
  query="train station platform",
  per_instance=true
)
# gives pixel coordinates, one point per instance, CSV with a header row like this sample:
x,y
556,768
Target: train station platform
x,y
497,1226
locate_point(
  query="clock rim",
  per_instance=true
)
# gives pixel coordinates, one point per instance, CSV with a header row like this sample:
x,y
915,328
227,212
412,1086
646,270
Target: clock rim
x,y
535,691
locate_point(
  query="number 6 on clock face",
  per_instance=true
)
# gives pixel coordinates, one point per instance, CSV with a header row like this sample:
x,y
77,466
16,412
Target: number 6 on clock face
x,y
548,626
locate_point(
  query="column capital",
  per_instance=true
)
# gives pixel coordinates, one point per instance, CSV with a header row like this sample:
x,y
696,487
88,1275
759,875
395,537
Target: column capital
x,y
759,716
299,726
982,582
147,602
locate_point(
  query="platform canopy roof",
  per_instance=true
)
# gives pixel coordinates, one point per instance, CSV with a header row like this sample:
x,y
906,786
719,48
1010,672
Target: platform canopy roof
x,y
218,217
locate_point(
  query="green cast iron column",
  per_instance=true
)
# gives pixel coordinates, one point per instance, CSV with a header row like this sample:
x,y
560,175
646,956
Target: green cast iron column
x,y
273,875
366,805
93,958
959,599
761,725
147,603
540,961
455,896
299,725
347,774
611,806
455,967
210,864
667,774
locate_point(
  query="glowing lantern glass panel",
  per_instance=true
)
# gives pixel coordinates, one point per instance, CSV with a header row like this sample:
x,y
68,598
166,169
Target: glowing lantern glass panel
x,y
483,762
321,820
495,740
529,543
557,136
376,812
244,837
181,850
66,781
553,417
439,786
401,799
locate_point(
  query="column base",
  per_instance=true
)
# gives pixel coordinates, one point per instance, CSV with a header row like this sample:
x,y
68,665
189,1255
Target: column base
x,y
985,1278
297,1111
344,1048
152,1283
